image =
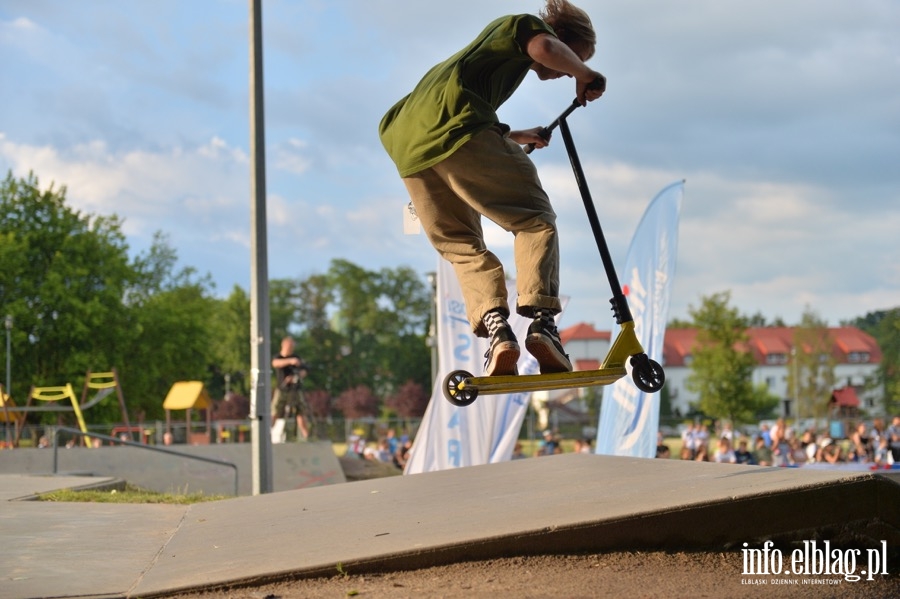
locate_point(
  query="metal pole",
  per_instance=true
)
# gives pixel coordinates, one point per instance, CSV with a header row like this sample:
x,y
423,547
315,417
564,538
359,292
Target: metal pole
x,y
260,360
8,322
796,380
433,328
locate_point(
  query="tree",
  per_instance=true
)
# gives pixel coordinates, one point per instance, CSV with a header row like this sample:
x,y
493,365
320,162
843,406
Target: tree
x,y
722,365
174,340
811,375
409,401
283,307
63,276
232,407
319,403
358,402
376,333
315,294
317,343
78,303
759,320
884,326
405,295
230,328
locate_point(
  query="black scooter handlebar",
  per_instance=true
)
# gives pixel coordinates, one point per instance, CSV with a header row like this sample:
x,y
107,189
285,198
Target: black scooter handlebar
x,y
598,83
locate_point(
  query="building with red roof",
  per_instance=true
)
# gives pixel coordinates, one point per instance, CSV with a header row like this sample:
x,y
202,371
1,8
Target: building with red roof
x,y
856,355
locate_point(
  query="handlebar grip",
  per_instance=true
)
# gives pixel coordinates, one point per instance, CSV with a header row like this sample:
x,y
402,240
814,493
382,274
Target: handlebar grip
x,y
598,83
545,133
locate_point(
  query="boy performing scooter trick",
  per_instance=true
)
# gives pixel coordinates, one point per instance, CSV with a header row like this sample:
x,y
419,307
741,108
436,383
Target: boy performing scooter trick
x,y
460,163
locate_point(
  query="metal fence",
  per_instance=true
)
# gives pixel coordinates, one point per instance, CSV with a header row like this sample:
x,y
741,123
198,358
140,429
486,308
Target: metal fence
x,y
336,430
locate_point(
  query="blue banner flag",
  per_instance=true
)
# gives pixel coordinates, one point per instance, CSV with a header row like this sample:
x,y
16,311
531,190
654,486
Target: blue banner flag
x,y
629,417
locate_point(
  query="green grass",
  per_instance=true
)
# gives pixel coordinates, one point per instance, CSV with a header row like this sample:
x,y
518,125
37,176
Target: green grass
x,y
131,494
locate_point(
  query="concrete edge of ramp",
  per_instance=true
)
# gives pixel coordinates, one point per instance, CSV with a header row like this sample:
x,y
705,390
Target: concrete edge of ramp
x,y
558,504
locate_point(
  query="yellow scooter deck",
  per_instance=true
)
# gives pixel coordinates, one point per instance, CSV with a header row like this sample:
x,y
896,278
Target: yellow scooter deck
x,y
461,388
539,382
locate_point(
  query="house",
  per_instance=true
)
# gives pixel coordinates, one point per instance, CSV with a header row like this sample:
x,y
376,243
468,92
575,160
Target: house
x,y
856,354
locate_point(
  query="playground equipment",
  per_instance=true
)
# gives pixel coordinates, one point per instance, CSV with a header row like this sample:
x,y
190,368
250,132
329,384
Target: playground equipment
x,y
103,383
189,395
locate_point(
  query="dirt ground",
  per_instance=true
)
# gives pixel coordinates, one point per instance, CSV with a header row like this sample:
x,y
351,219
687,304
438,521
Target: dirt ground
x,y
641,575
635,575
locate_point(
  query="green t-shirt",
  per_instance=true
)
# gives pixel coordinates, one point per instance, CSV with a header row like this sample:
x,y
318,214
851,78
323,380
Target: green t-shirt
x,y
459,97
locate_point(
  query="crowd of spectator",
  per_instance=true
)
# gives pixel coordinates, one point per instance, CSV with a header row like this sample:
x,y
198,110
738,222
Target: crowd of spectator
x,y
781,444
391,449
778,444
388,449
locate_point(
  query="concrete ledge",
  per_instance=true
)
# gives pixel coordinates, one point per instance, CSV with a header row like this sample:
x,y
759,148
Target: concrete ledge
x,y
294,465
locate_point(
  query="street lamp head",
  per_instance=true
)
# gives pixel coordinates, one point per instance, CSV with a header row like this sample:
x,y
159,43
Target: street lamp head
x,y
8,321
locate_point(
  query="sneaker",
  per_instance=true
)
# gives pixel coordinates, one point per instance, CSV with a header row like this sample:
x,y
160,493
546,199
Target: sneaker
x,y
543,343
503,355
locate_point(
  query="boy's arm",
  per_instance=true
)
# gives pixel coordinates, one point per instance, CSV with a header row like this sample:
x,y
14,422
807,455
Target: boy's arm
x,y
530,136
547,50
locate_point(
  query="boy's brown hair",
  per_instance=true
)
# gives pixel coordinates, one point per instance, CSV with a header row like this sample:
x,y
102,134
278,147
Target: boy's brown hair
x,y
571,24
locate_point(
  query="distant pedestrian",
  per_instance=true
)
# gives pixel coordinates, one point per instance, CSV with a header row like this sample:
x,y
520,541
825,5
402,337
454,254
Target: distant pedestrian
x,y
287,399
742,454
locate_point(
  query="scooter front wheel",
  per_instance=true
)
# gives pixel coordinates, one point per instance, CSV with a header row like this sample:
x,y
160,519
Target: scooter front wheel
x,y
459,397
648,375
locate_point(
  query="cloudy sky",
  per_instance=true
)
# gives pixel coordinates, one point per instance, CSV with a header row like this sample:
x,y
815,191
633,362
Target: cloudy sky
x,y
782,116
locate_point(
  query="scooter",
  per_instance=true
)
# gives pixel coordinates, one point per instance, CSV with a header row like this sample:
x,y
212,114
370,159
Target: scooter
x,y
461,388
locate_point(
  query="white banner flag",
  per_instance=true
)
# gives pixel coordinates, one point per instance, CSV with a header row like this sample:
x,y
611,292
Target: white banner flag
x,y
485,431
629,417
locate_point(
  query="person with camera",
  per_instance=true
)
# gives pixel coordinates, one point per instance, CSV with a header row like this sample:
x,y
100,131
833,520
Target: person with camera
x,y
287,399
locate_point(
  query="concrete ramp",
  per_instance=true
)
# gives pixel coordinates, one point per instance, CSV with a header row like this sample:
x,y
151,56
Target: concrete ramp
x,y
561,504
564,503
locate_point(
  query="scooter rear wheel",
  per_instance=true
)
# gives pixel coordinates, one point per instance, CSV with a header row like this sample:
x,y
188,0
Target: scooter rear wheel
x,y
459,397
648,375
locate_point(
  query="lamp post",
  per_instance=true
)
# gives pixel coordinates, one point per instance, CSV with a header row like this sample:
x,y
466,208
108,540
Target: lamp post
x,y
431,340
260,333
795,375
8,322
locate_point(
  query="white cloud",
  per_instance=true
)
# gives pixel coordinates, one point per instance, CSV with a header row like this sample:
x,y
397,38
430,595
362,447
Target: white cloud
x,y
147,188
292,157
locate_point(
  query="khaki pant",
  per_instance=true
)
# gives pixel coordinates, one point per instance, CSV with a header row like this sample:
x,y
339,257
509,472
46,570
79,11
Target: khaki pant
x,y
492,176
288,401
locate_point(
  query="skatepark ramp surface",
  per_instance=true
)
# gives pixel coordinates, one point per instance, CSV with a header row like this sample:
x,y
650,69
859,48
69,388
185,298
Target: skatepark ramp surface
x,y
557,504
